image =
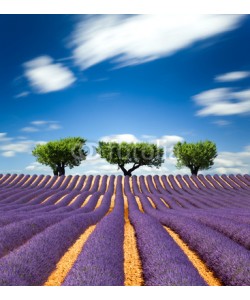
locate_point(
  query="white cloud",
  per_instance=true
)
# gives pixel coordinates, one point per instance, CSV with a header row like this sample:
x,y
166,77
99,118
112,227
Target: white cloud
x,y
22,95
23,146
54,127
42,125
8,153
4,138
221,122
129,138
38,123
131,40
232,76
223,101
37,167
46,76
29,129
168,141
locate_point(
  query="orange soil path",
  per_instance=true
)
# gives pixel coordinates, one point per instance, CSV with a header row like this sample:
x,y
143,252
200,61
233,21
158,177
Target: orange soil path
x,y
66,262
132,263
202,269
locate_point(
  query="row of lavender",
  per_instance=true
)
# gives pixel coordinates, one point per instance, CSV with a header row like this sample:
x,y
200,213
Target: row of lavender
x,y
33,219
177,192
164,183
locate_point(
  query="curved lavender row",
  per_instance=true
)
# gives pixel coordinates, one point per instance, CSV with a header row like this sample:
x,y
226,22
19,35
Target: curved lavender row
x,y
14,182
171,197
65,182
88,184
73,183
8,181
101,261
36,182
170,201
91,203
80,183
163,262
67,199
36,198
10,192
197,200
233,228
195,192
95,185
243,179
238,232
22,213
32,263
222,186
229,185
151,186
159,185
22,181
103,186
48,204
127,188
239,182
241,188
135,186
227,198
205,194
158,202
16,234
51,182
143,186
247,177
44,182
4,177
58,183
215,249
80,199
30,212
29,182
119,189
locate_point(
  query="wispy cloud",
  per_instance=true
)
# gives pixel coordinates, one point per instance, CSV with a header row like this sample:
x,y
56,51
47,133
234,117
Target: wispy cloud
x,y
221,122
42,125
129,138
29,129
232,76
130,40
44,75
22,95
223,101
4,137
24,146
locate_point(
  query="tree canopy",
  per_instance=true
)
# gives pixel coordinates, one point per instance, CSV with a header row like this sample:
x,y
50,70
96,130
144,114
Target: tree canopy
x,y
61,153
195,156
138,154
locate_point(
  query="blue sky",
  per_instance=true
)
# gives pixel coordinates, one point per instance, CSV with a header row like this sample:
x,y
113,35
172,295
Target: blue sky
x,y
161,79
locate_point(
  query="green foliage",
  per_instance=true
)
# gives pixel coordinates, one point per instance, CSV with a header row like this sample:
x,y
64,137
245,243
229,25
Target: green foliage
x,y
195,156
138,154
61,153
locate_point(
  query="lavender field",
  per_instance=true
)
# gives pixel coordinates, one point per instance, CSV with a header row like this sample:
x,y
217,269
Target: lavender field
x,y
114,230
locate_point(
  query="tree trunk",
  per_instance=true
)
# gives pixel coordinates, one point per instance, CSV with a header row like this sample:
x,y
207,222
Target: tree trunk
x,y
194,170
61,169
125,172
128,172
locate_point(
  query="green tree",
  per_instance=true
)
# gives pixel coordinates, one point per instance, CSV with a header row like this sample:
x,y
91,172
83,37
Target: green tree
x,y
61,153
138,154
195,156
